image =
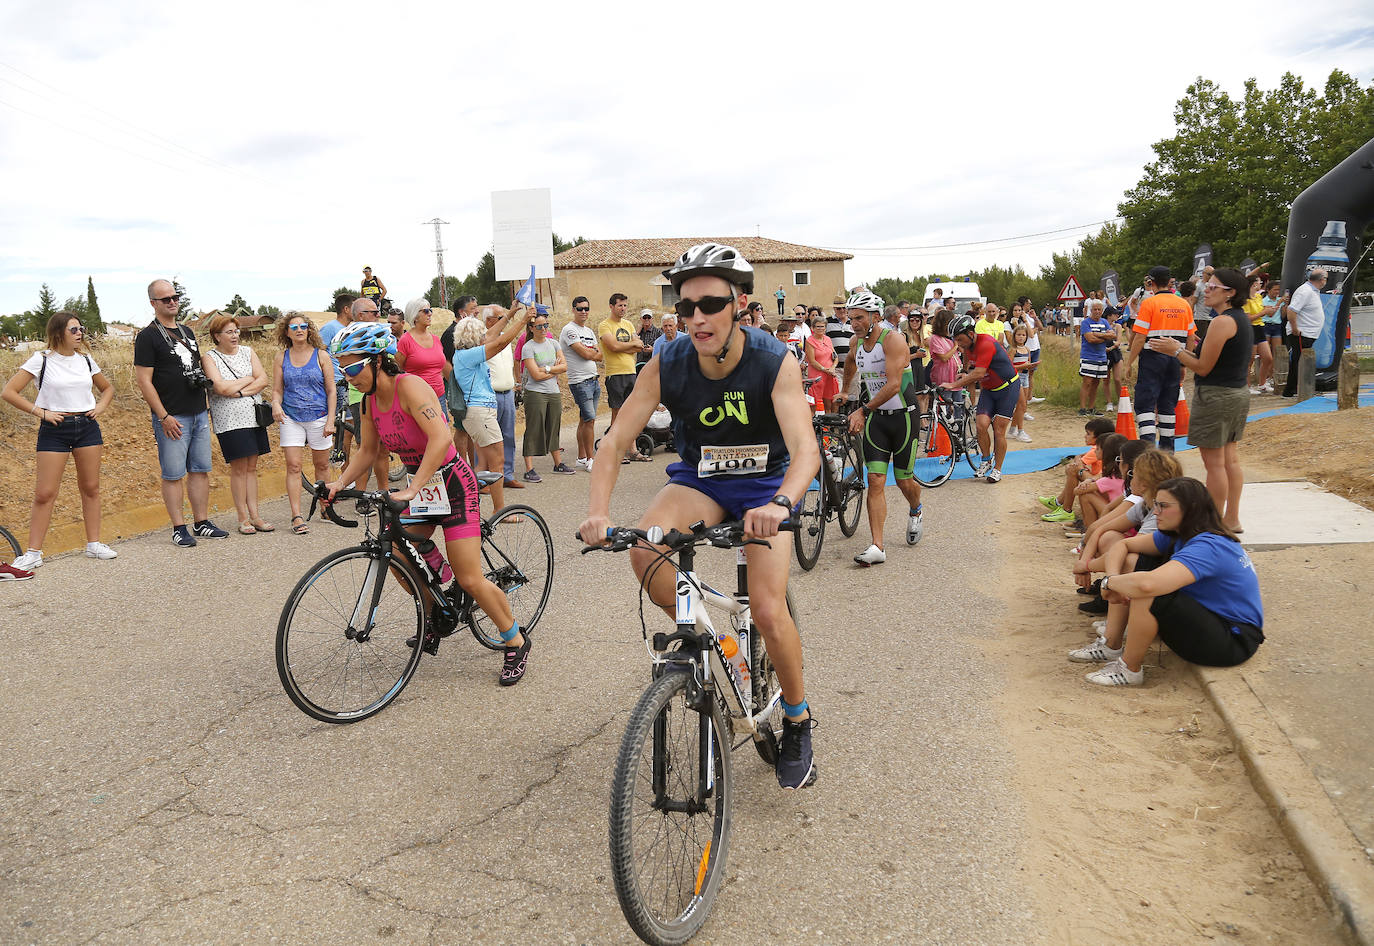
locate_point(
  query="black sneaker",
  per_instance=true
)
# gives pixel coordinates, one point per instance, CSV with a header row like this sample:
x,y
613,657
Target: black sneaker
x,y
206,529
1094,606
796,768
513,667
182,536
431,642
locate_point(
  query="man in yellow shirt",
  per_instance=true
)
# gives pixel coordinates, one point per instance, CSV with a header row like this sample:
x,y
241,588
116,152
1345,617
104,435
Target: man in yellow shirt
x,y
620,342
989,324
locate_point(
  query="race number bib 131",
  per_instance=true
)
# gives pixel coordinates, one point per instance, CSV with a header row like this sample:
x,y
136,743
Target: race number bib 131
x,y
432,499
733,461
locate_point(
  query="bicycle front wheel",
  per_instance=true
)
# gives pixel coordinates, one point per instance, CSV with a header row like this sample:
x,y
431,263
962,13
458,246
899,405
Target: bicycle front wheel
x,y
670,811
7,539
517,556
809,523
851,498
341,658
935,456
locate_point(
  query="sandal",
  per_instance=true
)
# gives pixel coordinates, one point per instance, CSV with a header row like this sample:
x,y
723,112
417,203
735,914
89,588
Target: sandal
x,y
262,526
299,528
246,528
639,458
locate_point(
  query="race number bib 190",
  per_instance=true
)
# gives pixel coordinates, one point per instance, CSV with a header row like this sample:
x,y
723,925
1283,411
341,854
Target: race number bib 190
x,y
432,499
733,461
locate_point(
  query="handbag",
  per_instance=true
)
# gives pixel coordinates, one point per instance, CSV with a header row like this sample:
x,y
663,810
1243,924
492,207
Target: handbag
x,y
263,413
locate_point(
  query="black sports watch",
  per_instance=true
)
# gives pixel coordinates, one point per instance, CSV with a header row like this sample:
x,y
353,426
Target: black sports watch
x,y
783,501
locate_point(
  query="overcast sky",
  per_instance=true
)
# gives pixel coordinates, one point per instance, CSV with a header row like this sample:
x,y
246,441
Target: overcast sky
x,y
273,149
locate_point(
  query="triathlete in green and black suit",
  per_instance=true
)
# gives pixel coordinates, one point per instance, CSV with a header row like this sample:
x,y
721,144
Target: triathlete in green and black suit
x,y
887,417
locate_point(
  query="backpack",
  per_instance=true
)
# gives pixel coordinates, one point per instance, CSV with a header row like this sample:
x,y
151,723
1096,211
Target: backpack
x,y
42,371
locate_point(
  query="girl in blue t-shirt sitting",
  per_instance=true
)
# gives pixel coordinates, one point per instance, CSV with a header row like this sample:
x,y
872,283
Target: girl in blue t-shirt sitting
x,y
1203,600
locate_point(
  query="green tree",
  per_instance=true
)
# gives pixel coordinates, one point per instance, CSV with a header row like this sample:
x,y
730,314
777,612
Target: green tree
x,y
47,303
452,284
184,309
94,322
269,310
76,305
341,291
236,303
481,282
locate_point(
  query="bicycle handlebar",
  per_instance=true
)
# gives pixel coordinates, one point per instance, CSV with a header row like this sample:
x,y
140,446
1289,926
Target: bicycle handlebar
x,y
724,535
319,495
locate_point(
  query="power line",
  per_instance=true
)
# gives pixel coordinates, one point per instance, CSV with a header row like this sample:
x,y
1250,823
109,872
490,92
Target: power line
x,y
953,246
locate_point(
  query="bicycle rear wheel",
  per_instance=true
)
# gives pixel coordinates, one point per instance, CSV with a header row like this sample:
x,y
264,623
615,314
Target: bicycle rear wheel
x,y
765,681
670,811
809,520
332,667
7,540
851,498
517,553
935,456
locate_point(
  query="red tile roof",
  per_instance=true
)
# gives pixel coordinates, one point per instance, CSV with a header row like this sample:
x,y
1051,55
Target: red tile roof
x,y
614,254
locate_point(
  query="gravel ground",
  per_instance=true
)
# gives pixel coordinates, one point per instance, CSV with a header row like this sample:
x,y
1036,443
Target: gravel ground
x,y
159,786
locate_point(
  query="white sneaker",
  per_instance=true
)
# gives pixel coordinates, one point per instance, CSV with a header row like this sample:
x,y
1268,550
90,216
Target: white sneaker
x,y
1255,391
1267,387
914,529
1116,674
1037,400
1095,653
994,475
28,561
1022,436
584,462
100,550
871,556
1110,408
983,469
1027,417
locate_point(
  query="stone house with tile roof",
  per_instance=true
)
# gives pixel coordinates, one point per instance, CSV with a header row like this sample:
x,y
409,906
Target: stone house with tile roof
x,y
597,268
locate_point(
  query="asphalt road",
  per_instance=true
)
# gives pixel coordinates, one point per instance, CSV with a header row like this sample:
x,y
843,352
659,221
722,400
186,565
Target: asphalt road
x,y
158,786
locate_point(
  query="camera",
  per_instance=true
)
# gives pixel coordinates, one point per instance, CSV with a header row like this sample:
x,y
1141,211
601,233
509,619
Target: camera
x,y
194,375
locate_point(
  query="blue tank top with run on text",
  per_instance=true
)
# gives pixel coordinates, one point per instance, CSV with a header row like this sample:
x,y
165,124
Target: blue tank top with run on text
x,y
725,427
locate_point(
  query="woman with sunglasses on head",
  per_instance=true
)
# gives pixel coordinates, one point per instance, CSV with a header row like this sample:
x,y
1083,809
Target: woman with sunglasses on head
x,y
238,378
1221,398
66,412
402,414
418,351
1193,587
304,400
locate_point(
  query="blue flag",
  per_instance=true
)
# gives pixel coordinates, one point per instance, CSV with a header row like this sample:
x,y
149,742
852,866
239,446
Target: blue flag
x,y
526,293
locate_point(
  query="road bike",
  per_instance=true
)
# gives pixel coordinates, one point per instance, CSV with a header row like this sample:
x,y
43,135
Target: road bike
x,y
343,645
7,539
837,490
947,432
673,786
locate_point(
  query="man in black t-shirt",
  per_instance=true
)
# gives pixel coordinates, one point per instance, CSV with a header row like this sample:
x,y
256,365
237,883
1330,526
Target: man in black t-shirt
x,y
169,374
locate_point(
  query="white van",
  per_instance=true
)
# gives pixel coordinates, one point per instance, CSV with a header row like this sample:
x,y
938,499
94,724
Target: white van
x,y
964,294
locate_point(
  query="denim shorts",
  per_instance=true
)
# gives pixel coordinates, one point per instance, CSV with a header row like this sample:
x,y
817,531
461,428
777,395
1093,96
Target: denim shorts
x,y
586,393
74,432
190,454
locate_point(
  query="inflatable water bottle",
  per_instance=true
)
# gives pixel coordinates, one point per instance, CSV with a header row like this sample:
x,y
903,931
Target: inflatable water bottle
x,y
1330,255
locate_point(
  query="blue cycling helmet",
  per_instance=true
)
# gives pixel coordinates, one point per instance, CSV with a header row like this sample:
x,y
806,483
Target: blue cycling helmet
x,y
364,338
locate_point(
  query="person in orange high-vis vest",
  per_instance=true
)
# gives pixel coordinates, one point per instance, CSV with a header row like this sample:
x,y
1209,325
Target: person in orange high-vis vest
x,y
1161,315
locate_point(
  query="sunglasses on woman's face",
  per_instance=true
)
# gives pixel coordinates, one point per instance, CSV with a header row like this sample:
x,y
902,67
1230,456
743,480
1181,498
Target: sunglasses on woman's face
x,y
540,325
76,330
354,369
299,327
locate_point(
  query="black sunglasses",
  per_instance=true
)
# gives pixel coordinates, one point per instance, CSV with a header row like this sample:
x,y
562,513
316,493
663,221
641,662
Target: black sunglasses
x,y
168,300
709,305
582,308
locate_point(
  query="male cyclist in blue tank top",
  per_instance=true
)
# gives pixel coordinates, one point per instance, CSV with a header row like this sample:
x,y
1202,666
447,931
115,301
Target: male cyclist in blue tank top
x,y
886,415
743,430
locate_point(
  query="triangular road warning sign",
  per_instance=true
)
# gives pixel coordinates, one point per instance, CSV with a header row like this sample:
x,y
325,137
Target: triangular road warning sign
x,y
1072,291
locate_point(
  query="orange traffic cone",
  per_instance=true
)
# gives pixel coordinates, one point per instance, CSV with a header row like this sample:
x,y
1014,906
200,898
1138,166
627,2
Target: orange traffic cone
x,y
1181,414
940,447
1125,415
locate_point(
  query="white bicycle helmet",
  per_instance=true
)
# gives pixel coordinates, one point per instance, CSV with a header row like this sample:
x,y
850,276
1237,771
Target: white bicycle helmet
x,y
865,300
712,259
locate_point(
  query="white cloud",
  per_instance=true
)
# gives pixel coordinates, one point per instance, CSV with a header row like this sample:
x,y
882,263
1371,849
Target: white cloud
x,y
272,149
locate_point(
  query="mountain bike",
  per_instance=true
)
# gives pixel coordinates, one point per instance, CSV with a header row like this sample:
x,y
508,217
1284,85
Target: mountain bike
x,y
838,489
947,432
343,641
7,539
673,786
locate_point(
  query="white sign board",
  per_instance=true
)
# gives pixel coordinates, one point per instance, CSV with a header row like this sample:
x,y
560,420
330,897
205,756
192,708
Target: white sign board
x,y
522,233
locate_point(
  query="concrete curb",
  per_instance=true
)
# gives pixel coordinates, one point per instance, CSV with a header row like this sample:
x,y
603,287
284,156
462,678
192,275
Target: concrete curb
x,y
1332,855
